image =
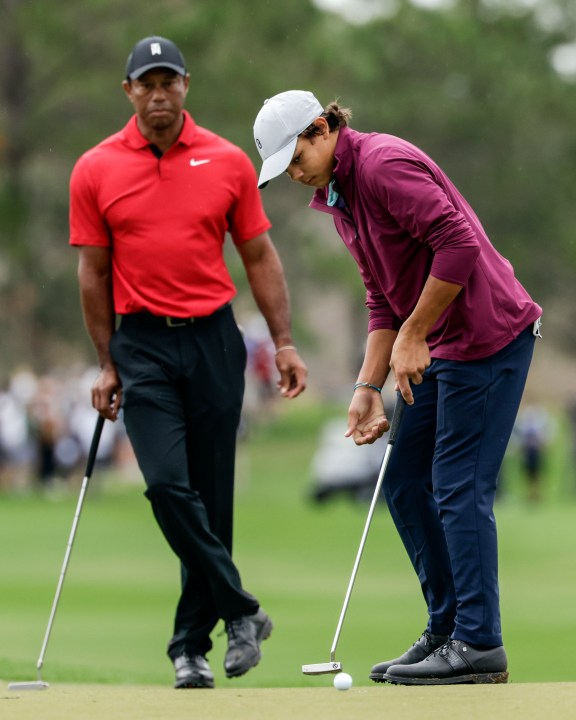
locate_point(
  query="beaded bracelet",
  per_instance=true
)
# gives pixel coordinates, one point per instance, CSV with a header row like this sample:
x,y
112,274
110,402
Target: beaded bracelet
x,y
368,385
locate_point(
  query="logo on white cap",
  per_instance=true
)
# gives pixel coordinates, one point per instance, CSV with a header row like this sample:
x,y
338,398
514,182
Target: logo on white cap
x,y
277,126
156,48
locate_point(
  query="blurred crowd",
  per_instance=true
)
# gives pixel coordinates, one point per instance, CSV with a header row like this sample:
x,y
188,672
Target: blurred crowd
x,y
46,427
47,421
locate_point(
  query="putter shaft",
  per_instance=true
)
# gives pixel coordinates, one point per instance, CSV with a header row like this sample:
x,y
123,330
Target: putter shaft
x,y
333,666
39,684
373,504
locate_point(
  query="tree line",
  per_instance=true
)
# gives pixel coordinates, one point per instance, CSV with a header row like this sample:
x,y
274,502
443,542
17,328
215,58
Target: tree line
x,y
472,84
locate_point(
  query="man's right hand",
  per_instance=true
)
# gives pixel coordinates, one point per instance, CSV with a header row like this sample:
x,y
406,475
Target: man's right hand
x,y
107,393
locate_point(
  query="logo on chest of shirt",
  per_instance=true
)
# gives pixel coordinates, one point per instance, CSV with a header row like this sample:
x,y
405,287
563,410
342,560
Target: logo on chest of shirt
x,y
195,163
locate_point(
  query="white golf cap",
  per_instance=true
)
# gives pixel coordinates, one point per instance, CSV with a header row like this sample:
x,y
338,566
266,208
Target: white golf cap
x,y
277,126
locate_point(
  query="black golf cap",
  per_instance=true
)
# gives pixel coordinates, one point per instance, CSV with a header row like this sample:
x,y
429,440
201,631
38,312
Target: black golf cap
x,y
154,52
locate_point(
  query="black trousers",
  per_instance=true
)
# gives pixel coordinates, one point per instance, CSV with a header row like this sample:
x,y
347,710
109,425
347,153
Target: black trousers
x,y
183,385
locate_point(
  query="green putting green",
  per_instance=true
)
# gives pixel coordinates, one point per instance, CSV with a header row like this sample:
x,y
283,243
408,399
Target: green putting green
x,y
95,702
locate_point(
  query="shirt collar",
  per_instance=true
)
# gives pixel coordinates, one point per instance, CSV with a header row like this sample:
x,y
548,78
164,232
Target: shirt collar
x,y
343,154
344,157
136,140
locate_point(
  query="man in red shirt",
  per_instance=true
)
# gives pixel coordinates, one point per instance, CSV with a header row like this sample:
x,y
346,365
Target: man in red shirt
x,y
149,210
448,316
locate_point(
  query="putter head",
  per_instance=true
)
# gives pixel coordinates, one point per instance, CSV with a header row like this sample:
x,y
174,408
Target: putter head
x,y
322,668
34,685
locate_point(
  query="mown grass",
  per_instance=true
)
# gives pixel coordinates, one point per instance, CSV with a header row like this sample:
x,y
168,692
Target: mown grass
x,y
116,610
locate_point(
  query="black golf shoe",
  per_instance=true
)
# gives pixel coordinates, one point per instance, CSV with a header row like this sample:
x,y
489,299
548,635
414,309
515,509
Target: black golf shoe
x,y
192,671
244,638
454,663
425,645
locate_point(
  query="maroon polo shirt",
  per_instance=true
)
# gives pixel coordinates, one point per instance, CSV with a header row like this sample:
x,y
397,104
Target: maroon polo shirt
x,y
405,220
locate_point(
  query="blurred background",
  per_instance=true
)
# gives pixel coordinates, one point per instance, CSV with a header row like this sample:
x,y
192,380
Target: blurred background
x,y
486,87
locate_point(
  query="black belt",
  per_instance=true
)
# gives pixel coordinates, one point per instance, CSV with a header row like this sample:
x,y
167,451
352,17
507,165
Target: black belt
x,y
146,319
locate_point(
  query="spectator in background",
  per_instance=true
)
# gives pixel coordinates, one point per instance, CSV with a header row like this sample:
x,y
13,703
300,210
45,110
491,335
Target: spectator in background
x,y
47,420
532,432
261,389
16,444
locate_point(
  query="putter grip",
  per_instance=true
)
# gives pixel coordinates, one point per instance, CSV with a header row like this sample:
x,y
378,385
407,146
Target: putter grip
x,y
396,417
94,445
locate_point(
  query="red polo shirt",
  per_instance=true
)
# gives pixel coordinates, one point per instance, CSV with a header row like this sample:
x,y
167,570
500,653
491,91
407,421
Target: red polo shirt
x,y
166,218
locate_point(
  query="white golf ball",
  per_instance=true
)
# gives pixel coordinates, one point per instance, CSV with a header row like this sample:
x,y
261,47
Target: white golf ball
x,y
342,681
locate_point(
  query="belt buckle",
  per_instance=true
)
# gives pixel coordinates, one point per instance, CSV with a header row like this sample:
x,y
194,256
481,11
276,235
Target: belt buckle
x,y
178,322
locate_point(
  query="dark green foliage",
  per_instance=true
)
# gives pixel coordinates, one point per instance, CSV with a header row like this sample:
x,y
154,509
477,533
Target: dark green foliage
x,y
471,86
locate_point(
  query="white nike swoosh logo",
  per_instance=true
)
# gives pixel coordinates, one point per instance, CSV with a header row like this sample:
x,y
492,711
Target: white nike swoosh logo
x,y
194,162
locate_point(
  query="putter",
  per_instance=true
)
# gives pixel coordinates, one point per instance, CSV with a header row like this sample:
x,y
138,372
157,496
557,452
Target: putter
x,y
333,666
39,684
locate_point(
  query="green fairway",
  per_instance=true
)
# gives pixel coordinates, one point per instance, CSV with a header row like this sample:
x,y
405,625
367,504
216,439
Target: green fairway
x,y
116,611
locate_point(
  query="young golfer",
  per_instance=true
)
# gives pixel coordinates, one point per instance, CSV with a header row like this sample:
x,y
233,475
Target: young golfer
x,y
448,316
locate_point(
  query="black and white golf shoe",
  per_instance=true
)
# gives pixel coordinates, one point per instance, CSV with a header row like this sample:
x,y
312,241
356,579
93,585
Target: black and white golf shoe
x,y
244,638
425,645
192,671
456,662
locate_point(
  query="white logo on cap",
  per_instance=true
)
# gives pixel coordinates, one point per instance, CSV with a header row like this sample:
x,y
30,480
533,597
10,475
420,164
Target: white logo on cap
x,y
156,49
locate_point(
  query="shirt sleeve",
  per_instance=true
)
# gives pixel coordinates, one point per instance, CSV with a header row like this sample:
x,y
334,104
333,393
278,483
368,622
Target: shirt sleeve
x,y
247,218
87,226
411,193
381,316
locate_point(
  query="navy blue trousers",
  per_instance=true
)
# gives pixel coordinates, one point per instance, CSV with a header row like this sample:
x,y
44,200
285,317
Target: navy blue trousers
x,y
182,396
441,481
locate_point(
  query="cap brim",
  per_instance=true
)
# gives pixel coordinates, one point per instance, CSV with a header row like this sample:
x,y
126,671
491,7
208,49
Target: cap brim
x,y
276,164
138,73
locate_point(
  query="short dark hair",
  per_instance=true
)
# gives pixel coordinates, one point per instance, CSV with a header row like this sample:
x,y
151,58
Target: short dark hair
x,y
337,117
